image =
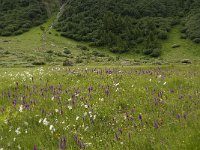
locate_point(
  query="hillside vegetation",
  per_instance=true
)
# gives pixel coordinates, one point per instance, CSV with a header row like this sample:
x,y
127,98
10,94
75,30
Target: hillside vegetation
x,y
123,24
18,16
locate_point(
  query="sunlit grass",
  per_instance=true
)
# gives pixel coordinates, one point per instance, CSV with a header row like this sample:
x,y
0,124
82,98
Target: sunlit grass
x,y
100,108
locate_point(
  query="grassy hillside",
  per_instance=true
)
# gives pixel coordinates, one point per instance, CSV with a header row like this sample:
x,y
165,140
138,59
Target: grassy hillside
x,y
38,46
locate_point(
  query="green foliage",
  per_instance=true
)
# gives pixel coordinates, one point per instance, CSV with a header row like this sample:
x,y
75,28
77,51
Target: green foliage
x,y
67,51
67,62
18,16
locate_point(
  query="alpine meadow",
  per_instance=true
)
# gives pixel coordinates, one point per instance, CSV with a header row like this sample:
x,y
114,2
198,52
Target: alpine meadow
x,y
99,74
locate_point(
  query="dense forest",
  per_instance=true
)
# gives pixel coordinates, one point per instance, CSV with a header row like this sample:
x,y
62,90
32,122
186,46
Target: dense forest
x,y
124,24
120,25
18,16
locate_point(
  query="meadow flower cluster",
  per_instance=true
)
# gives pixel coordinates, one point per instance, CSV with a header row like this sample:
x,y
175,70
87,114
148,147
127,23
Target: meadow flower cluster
x,y
100,108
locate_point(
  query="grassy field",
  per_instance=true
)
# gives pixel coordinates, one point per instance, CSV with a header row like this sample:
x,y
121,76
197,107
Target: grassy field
x,y
100,108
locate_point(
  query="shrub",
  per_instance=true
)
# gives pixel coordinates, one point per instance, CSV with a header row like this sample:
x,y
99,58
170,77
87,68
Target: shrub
x,y
49,51
162,35
186,61
67,51
183,36
18,32
67,63
42,28
79,60
196,40
147,51
98,54
82,47
156,53
111,59
6,33
38,63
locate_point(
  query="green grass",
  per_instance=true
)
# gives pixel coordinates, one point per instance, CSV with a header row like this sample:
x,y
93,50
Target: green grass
x,y
187,49
29,47
106,103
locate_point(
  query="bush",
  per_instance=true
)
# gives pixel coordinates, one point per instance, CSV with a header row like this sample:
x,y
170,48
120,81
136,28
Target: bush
x,y
6,33
42,28
79,60
67,63
186,61
147,51
49,51
81,47
118,50
38,63
196,40
67,51
156,53
18,32
183,36
98,54
162,35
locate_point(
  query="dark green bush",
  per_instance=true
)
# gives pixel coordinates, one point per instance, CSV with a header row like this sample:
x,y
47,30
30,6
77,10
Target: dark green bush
x,y
67,51
67,63
163,35
38,63
156,53
79,60
196,40
147,51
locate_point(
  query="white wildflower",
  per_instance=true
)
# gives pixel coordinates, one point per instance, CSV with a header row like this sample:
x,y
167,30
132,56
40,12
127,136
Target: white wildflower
x,y
17,131
45,122
56,110
77,118
52,129
164,83
70,107
101,99
19,147
21,108
40,120
86,106
52,98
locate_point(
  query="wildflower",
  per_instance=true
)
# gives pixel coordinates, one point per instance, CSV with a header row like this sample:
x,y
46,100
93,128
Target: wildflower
x,y
77,118
19,147
86,106
14,103
45,122
40,120
70,107
52,129
164,83
56,110
140,117
63,143
17,131
21,108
